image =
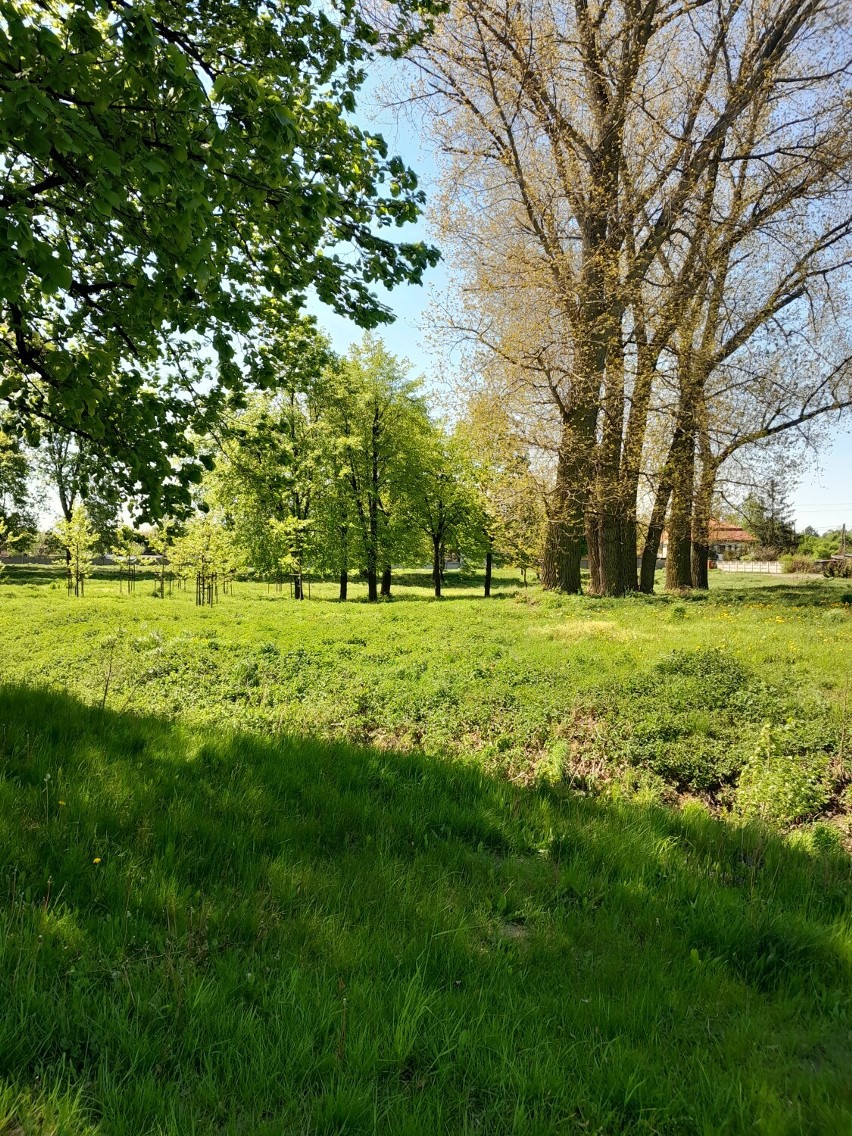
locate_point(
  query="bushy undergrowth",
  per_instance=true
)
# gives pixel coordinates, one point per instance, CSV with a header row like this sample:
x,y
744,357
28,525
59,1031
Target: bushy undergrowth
x,y
703,721
213,933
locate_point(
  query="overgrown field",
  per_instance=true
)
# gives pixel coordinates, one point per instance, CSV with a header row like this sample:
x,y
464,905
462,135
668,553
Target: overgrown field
x,y
291,868
740,698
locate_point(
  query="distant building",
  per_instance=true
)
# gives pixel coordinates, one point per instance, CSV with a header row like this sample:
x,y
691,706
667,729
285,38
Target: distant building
x,y
730,540
725,540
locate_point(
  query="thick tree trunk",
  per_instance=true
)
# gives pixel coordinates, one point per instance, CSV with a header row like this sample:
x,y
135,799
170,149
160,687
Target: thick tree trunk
x,y
488,559
651,548
437,567
629,548
700,558
679,559
344,584
560,562
298,586
372,586
610,547
701,528
386,581
564,538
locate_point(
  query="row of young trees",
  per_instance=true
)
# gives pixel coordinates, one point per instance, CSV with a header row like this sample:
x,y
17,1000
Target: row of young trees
x,y
648,205
343,469
340,470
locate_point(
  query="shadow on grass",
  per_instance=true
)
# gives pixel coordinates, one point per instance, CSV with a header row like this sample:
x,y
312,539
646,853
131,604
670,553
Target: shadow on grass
x,y
804,593
215,933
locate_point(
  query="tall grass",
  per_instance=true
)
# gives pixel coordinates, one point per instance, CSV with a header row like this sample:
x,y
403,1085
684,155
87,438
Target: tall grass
x,y
208,932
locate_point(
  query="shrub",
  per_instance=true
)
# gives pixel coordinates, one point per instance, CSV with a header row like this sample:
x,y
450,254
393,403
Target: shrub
x,y
802,565
781,787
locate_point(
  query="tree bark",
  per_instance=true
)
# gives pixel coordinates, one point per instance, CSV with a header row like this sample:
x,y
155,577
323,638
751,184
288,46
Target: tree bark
x,y
679,558
488,559
372,586
437,572
344,584
651,548
701,526
386,581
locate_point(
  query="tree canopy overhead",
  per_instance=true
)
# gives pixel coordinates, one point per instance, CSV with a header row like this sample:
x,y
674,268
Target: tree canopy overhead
x,y
161,164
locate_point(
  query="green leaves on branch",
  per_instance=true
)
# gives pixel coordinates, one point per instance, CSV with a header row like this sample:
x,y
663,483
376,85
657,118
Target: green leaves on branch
x,y
165,166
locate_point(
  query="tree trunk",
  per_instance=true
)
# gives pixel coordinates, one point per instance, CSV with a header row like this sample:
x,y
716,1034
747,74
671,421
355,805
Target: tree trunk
x,y
651,548
701,527
560,563
437,574
372,586
563,545
298,586
488,559
386,581
344,583
679,559
606,536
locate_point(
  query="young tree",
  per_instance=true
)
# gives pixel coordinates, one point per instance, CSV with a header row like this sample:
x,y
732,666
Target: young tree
x,y
17,507
512,500
376,420
78,539
206,550
449,509
127,550
75,471
273,456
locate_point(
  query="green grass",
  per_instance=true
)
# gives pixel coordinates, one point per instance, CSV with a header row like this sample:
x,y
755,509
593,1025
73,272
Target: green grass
x,y
279,868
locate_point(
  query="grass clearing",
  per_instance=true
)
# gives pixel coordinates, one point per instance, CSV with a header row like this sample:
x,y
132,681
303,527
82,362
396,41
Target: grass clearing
x,y
264,870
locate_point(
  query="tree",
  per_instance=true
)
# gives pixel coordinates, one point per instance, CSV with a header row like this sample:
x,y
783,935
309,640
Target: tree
x,y
207,550
162,163
767,514
512,501
17,508
75,470
448,507
78,539
639,165
271,458
127,550
376,420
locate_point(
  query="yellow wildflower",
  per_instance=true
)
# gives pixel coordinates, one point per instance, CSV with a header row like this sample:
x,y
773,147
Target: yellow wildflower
x,y
96,860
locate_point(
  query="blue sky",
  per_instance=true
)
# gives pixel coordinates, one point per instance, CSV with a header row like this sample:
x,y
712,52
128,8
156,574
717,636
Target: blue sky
x,y
823,496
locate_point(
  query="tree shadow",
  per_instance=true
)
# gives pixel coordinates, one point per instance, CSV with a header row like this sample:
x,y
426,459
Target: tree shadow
x,y
806,593
248,934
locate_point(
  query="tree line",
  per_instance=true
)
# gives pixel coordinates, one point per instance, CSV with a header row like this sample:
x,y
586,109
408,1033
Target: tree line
x,y
648,204
339,469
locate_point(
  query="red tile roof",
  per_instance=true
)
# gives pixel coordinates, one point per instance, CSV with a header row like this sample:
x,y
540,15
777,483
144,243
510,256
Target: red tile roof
x,y
721,533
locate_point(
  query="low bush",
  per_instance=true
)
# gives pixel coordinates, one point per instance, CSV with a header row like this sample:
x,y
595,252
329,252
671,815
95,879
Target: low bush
x,y
799,565
780,786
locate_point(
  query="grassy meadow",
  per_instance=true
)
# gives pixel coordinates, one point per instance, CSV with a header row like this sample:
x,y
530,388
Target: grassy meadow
x,y
536,864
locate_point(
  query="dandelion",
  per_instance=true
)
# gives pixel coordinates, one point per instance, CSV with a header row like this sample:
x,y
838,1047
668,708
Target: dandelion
x,y
96,860
62,802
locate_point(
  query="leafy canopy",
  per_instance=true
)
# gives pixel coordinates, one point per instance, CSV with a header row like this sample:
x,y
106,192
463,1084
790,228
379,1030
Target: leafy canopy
x,y
161,165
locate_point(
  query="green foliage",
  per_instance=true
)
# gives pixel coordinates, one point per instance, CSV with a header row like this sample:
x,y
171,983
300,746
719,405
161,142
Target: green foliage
x,y
767,514
280,935
78,539
779,785
165,167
